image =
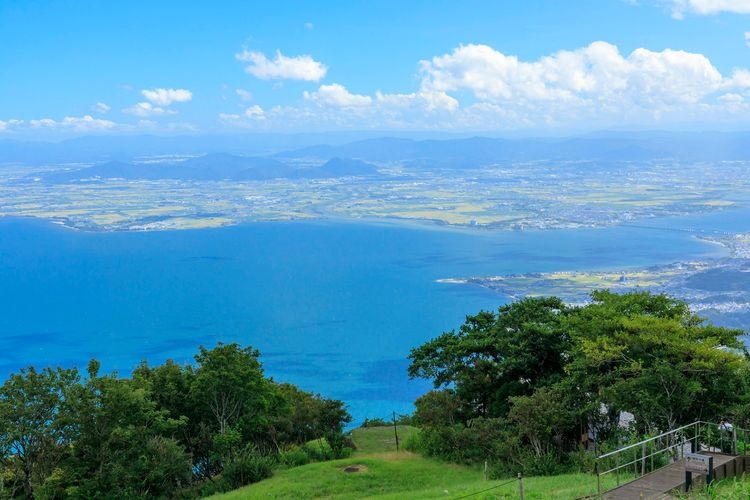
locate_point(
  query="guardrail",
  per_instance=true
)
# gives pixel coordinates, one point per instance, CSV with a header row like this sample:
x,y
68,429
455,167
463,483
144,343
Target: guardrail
x,y
638,459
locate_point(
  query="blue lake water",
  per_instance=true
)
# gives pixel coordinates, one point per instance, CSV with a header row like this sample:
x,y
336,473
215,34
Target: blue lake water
x,y
332,306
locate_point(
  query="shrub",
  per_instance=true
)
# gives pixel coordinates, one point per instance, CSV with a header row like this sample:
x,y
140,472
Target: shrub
x,y
294,457
247,467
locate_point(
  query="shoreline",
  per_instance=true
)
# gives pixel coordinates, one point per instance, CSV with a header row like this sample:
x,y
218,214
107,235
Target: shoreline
x,y
404,222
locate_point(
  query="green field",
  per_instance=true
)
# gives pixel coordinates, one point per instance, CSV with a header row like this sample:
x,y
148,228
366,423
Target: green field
x,y
387,474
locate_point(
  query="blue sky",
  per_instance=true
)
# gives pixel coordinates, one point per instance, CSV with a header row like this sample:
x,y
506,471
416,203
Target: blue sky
x,y
83,67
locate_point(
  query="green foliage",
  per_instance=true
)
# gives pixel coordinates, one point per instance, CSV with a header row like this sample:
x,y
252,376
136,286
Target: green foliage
x,y
35,426
437,408
294,456
383,422
246,467
167,431
551,373
495,356
647,354
542,420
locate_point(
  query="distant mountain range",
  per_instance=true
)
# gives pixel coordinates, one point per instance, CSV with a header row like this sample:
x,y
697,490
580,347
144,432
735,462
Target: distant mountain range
x,y
268,154
214,167
479,151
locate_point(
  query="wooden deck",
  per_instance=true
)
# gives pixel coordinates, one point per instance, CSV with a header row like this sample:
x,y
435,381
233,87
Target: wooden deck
x,y
658,484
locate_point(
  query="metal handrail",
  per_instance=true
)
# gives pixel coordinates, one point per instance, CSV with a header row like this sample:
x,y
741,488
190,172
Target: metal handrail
x,y
641,443
637,460
684,436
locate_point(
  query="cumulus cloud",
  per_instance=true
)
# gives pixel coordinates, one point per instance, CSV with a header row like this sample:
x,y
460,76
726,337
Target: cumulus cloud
x,y
146,109
85,123
282,67
479,87
597,76
165,97
338,96
747,38
709,7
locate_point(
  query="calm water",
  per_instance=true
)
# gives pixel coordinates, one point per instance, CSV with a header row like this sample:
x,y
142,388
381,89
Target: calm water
x,y
334,307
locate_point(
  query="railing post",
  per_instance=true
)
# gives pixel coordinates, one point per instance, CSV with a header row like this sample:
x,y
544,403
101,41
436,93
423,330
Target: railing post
x,y
652,459
617,471
520,486
598,479
734,440
643,459
694,446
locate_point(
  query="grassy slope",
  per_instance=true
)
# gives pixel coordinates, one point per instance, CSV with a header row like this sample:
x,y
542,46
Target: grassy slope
x,y
391,475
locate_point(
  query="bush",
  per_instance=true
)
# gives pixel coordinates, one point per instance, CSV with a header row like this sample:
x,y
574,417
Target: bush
x,y
341,446
248,467
294,457
204,489
318,450
375,422
454,443
386,422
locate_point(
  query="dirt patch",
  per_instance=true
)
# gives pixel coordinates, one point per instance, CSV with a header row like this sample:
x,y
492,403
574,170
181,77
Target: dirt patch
x,y
355,468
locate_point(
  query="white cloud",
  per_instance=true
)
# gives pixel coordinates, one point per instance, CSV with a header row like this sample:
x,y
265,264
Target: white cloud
x,y
244,95
429,100
7,125
478,87
709,7
85,123
731,98
309,26
255,112
282,67
337,95
252,115
100,107
165,97
747,38
596,76
146,109
740,79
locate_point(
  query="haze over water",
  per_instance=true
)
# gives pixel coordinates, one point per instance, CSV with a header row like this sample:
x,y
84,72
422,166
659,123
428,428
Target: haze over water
x,y
332,306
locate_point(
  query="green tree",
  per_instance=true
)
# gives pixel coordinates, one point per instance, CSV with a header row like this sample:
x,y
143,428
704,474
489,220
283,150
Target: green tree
x,y
124,447
35,427
542,419
230,385
649,355
437,408
495,356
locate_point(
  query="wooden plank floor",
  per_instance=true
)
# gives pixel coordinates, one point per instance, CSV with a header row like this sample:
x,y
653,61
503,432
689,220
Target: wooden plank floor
x,y
661,481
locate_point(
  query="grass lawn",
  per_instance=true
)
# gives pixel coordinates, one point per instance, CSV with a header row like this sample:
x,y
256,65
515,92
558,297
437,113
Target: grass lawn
x,y
387,474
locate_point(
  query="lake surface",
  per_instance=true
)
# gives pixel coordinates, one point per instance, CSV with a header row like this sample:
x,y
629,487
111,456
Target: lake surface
x,y
333,306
